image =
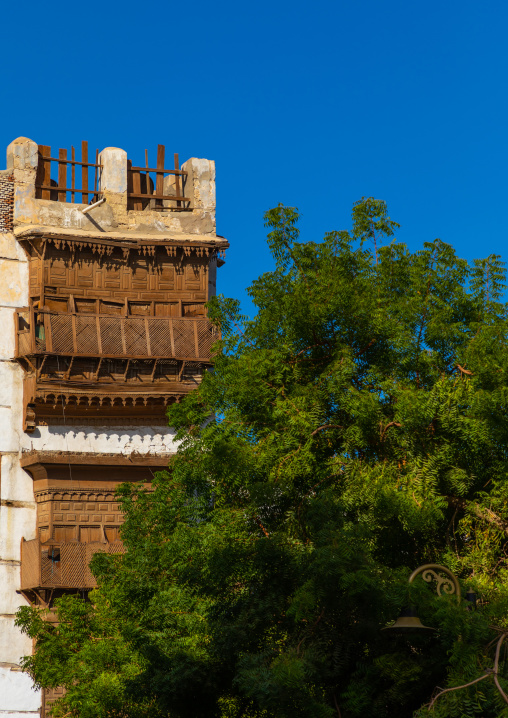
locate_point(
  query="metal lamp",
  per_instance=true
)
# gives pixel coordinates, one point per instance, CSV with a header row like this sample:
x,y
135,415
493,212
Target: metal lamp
x,y
408,620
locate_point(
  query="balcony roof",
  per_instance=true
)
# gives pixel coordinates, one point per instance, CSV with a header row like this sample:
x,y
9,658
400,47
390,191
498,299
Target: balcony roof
x,y
179,239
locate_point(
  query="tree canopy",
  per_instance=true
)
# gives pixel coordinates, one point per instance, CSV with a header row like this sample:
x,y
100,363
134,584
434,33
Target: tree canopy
x,y
351,431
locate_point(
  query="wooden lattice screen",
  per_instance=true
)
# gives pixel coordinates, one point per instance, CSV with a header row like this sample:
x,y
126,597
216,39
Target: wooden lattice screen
x,y
114,336
61,565
57,188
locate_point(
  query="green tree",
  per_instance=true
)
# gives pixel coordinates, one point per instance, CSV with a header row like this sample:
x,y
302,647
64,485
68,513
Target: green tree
x,y
354,429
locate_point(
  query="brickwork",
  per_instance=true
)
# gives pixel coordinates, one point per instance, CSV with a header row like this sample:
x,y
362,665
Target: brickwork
x,y
6,202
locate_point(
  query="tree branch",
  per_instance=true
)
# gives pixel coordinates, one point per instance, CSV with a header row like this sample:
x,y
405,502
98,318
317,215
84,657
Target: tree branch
x,y
337,706
481,512
326,426
456,688
392,423
489,672
258,521
496,665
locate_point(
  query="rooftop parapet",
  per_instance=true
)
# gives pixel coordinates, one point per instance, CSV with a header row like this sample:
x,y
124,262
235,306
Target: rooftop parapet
x,y
124,198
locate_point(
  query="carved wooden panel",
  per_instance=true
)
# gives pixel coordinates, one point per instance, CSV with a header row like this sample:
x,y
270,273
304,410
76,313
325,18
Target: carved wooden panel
x,y
89,275
74,515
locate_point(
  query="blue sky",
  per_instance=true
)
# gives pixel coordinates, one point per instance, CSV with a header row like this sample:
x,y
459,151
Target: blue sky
x,y
312,104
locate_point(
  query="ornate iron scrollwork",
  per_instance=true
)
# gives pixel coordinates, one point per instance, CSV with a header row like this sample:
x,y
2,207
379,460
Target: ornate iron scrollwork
x,y
447,584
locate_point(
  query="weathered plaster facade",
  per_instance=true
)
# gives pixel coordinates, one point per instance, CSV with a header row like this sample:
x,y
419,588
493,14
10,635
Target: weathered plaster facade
x,y
22,216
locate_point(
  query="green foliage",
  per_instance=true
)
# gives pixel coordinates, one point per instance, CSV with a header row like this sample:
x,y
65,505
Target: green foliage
x,y
356,428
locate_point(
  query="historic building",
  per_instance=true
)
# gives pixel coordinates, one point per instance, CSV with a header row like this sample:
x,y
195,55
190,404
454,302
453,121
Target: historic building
x,y
105,269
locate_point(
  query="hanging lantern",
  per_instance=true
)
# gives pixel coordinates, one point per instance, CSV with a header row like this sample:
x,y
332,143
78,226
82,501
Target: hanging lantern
x,y
408,622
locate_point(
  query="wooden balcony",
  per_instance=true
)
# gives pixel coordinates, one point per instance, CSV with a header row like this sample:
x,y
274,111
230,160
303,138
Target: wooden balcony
x,y
110,336
57,565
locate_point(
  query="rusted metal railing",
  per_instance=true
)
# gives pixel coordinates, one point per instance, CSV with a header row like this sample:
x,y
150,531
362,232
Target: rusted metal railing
x,y
57,190
142,191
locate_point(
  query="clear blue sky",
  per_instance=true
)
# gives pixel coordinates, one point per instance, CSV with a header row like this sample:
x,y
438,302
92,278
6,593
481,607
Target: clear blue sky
x,y
312,104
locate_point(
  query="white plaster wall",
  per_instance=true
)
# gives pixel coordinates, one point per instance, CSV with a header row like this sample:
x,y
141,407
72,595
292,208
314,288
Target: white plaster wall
x,y
7,337
17,505
14,284
17,696
15,522
13,644
9,582
15,485
109,440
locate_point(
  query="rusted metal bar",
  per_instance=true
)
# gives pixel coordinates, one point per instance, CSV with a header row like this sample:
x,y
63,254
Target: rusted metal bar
x,y
159,177
73,174
129,177
62,175
147,173
155,196
46,173
177,179
75,162
66,189
84,172
136,187
96,170
156,169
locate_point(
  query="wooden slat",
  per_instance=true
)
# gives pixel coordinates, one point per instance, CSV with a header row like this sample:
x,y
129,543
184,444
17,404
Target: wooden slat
x,y
147,333
177,179
62,175
84,172
74,335
159,181
48,333
99,339
196,340
73,173
133,357
122,333
46,174
171,338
